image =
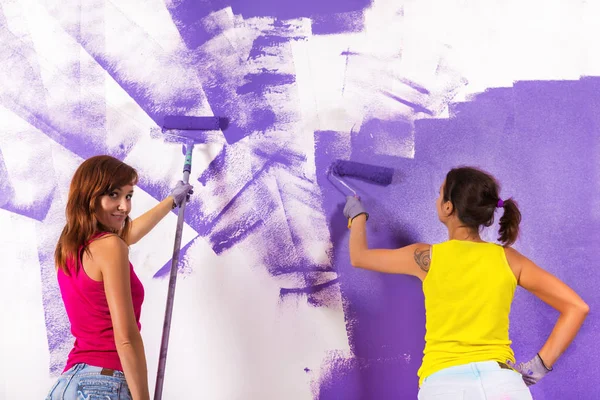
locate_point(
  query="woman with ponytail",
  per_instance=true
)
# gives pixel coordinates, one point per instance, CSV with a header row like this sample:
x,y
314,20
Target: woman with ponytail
x,y
469,286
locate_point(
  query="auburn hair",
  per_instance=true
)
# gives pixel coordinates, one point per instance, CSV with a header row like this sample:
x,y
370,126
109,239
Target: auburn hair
x,y
95,177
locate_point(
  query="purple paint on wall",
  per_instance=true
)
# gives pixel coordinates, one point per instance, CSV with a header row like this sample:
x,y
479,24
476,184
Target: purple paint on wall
x,y
26,96
188,16
288,9
270,161
416,107
258,83
263,118
384,313
328,24
262,44
415,86
58,329
219,83
233,234
540,139
375,132
6,190
215,168
181,265
528,136
38,210
315,293
92,121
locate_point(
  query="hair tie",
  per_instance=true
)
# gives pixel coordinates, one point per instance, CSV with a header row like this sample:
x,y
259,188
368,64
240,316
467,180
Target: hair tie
x,y
500,203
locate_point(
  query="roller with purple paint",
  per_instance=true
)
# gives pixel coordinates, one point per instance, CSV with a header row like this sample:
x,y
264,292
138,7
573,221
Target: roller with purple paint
x,y
366,172
189,130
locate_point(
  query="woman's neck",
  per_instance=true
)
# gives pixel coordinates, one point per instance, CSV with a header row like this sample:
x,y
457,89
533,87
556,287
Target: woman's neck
x,y
461,232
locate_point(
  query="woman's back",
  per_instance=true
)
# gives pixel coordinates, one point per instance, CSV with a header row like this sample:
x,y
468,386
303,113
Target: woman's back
x,y
468,293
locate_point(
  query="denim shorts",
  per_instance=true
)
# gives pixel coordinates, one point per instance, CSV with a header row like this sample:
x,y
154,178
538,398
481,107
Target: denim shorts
x,y
487,380
86,382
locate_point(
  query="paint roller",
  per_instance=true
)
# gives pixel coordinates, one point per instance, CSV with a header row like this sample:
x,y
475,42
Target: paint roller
x,y
189,131
366,172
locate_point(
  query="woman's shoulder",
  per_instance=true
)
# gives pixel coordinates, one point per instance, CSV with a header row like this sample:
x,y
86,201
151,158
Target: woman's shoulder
x,y
107,241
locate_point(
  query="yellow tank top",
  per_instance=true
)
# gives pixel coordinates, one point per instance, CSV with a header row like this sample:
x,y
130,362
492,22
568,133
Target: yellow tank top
x,y
468,293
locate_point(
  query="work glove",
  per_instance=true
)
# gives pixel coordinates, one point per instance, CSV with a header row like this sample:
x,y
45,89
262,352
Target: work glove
x,y
354,208
532,370
181,191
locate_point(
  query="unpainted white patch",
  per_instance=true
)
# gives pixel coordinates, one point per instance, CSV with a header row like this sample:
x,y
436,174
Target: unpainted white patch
x,y
28,160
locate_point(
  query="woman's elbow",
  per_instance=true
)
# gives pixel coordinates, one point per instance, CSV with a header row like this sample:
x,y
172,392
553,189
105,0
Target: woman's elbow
x,y
581,309
356,261
127,338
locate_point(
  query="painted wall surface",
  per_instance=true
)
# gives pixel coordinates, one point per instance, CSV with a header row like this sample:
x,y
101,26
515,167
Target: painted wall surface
x,y
267,305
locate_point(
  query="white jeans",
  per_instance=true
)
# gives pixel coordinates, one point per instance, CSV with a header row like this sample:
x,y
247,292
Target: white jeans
x,y
475,381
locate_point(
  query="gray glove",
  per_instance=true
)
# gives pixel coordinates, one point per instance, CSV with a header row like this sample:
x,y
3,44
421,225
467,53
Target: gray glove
x,y
532,370
354,208
180,192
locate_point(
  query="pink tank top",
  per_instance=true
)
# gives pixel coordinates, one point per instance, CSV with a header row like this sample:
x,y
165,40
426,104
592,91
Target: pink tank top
x,y
87,309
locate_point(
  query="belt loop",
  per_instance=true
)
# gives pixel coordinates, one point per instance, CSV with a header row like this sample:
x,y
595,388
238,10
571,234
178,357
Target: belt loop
x,y
503,365
475,369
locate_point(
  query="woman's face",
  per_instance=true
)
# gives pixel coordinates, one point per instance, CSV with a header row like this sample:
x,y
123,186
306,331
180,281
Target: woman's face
x,y
115,207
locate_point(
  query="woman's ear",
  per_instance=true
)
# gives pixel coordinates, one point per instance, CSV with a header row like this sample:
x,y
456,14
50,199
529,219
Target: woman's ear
x,y
448,208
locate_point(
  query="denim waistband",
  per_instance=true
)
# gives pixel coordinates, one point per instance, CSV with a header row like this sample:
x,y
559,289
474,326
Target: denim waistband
x,y
83,368
474,368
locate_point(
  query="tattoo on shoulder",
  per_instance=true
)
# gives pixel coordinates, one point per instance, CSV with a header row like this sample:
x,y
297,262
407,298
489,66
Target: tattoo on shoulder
x,y
423,258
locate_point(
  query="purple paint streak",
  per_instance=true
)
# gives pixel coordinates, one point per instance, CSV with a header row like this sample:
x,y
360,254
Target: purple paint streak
x,y
259,83
349,53
271,161
58,328
416,107
329,24
540,139
182,99
234,233
188,16
38,210
219,83
166,269
407,82
288,9
415,86
215,168
6,190
262,44
313,292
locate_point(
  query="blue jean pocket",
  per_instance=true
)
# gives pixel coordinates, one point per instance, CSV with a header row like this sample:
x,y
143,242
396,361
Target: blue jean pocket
x,y
96,387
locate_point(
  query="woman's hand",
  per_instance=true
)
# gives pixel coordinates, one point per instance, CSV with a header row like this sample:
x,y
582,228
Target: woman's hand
x,y
180,192
532,371
354,208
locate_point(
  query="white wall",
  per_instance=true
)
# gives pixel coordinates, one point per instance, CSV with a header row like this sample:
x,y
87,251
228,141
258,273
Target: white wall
x,y
232,335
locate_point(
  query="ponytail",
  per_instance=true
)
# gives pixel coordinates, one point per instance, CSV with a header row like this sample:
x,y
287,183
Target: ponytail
x,y
509,222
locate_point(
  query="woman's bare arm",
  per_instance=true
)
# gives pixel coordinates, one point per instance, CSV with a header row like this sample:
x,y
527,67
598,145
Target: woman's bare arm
x,y
552,291
413,259
111,253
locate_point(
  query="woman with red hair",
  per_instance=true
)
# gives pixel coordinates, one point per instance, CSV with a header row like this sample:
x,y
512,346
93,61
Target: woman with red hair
x,y
102,294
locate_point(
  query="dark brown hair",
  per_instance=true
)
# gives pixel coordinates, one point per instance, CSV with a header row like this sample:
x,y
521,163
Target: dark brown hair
x,y
96,176
474,195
